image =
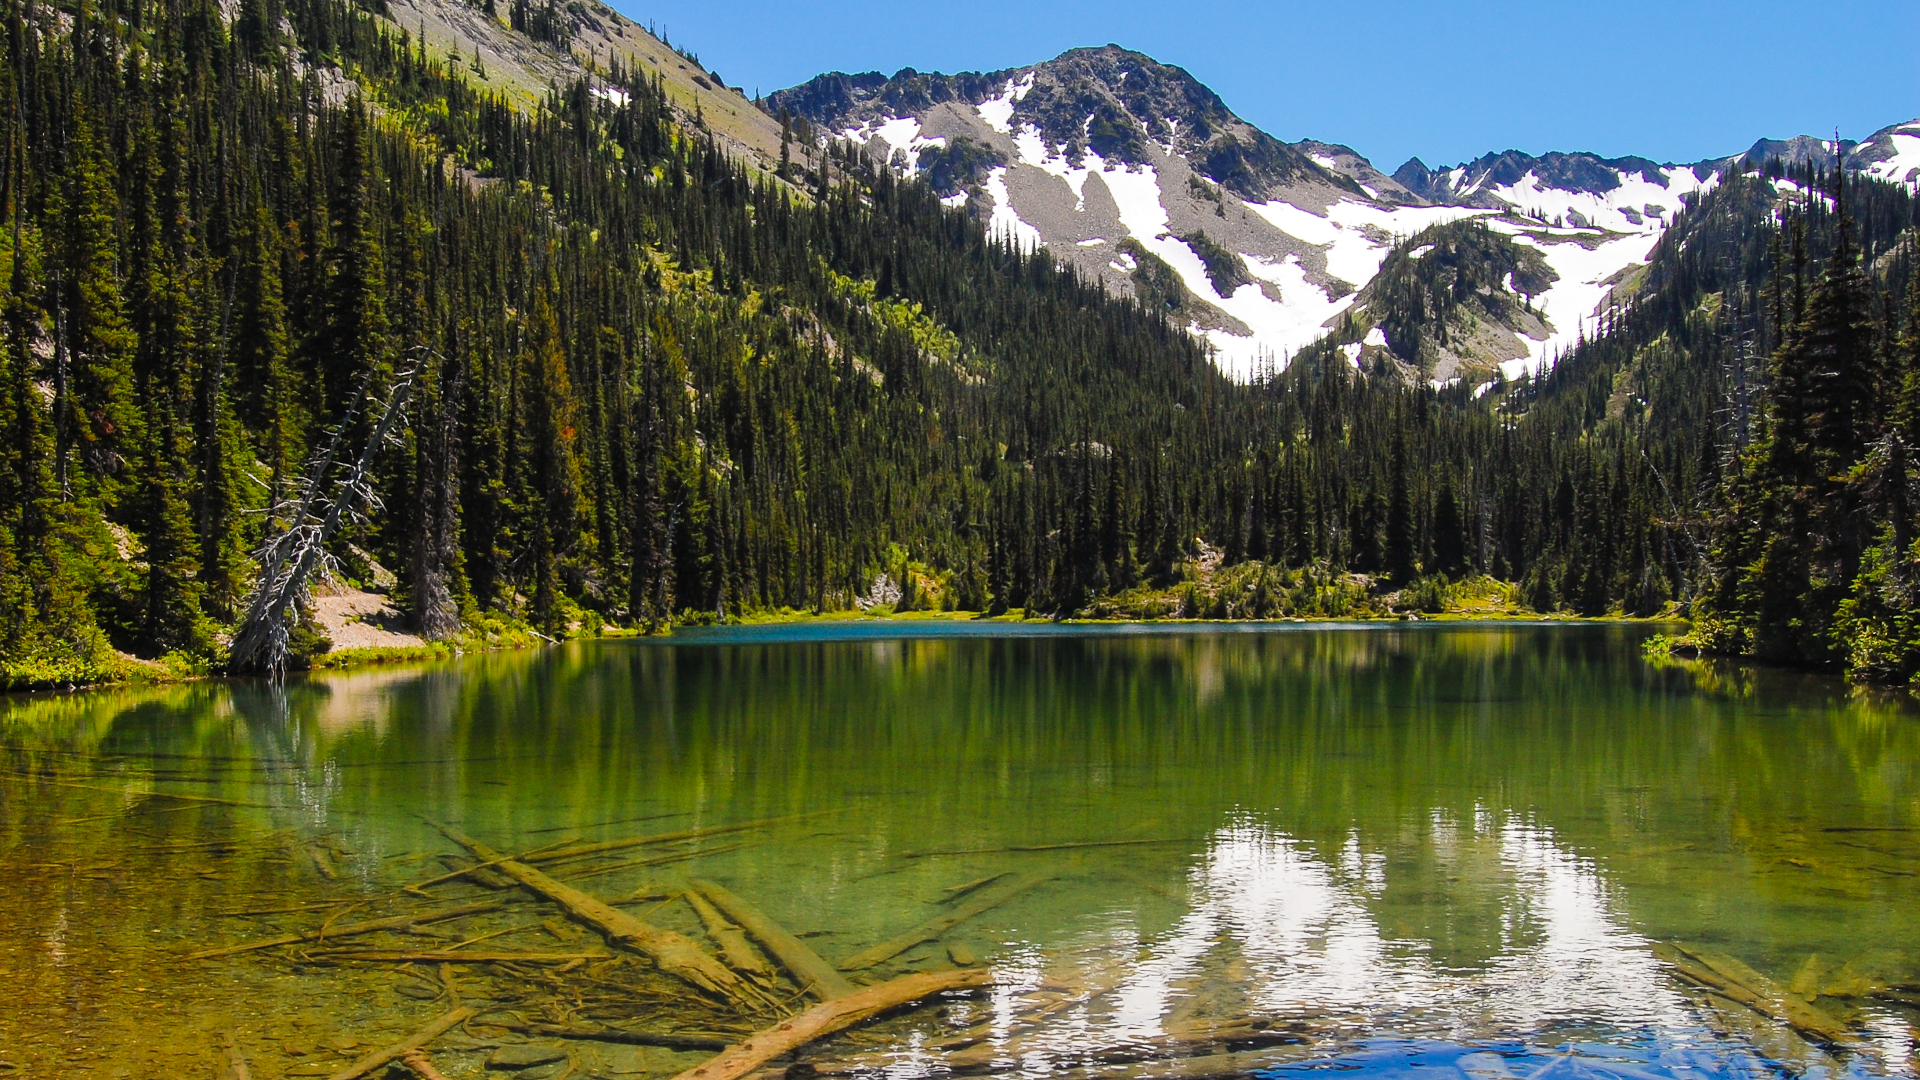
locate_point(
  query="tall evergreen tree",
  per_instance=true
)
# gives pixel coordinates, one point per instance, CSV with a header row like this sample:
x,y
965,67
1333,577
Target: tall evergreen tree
x,y
95,329
553,468
353,349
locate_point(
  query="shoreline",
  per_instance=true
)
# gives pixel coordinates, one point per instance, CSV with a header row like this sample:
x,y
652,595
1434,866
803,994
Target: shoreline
x,y
126,670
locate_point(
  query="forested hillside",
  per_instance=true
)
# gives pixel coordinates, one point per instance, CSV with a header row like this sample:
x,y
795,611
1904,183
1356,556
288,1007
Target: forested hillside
x,y
1769,364
644,382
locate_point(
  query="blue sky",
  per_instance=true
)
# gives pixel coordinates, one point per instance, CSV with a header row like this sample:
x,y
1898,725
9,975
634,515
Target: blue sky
x,y
1675,80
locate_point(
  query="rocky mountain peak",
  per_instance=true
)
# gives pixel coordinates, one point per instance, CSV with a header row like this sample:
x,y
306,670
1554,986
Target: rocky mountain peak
x,y
1114,103
1135,172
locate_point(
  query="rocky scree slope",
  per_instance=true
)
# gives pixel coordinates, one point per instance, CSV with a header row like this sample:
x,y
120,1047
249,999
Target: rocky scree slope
x,y
1136,173
525,49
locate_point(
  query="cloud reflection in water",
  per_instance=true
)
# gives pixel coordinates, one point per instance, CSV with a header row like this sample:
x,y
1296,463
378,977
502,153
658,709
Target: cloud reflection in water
x,y
1278,930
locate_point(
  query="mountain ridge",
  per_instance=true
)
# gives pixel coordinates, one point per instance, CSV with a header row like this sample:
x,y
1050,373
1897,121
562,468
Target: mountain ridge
x,y
1185,186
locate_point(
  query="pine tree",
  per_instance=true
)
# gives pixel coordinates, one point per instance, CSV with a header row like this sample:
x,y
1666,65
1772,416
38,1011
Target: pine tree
x,y
256,31
1835,353
171,613
95,327
786,144
354,349
26,481
553,470
1401,541
1116,533
1449,533
219,483
435,580
1905,376
263,378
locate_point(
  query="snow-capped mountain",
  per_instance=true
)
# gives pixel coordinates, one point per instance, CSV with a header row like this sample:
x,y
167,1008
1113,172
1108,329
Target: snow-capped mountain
x,y
1136,172
1892,153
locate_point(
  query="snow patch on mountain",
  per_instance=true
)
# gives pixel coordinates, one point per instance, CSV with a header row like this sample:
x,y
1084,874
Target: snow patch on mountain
x,y
1280,327
1356,236
998,111
1034,151
1904,165
1006,222
1637,205
1587,264
902,136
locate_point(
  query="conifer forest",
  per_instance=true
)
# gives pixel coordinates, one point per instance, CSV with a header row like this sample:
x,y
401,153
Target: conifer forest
x,y
288,295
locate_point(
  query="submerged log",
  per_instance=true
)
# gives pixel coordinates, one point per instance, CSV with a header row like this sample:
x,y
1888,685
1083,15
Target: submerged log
x,y
574,828
481,872
236,1061
392,922
673,1040
675,955
416,1041
931,930
831,1016
738,952
656,860
452,956
1727,977
323,862
207,800
475,873
419,1062
987,1048
955,892
579,851
810,972
310,906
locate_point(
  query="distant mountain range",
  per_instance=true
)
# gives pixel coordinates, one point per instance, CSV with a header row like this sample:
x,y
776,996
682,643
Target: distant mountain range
x,y
1136,172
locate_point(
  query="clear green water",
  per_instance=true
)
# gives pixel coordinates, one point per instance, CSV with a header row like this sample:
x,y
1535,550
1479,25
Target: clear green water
x,y
1436,836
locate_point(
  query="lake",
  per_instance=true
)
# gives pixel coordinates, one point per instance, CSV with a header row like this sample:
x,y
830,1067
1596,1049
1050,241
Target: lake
x,y
1450,850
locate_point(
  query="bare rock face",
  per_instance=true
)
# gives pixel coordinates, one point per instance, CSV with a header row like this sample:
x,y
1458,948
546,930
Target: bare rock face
x,y
586,37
